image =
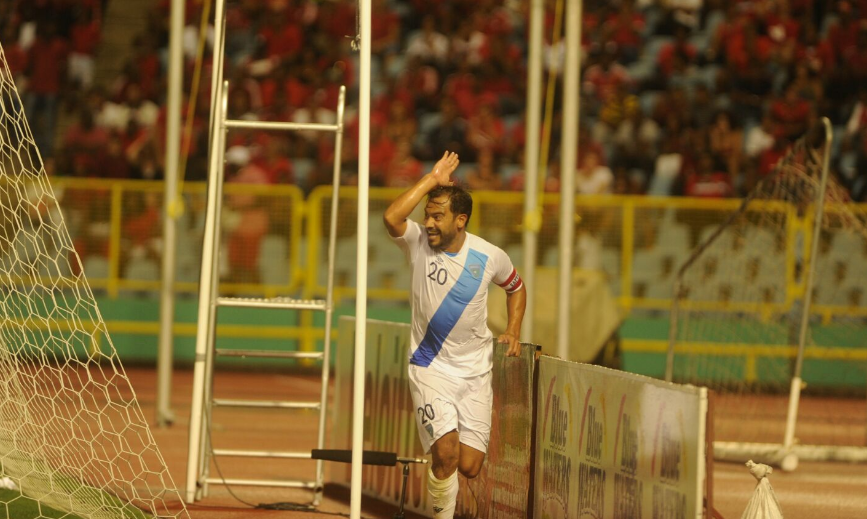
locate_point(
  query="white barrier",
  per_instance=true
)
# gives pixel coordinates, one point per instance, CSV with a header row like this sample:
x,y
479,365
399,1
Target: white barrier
x,y
609,444
616,445
502,488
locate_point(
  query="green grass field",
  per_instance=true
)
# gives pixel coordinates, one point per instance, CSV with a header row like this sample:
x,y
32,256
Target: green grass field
x,y
18,506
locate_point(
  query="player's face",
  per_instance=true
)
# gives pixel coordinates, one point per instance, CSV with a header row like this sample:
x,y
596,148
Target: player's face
x,y
440,223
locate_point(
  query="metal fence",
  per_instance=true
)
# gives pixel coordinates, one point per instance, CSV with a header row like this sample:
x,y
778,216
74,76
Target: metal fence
x,y
275,244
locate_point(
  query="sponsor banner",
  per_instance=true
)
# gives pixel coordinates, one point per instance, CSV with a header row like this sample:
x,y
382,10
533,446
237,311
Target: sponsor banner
x,y
389,422
611,444
500,490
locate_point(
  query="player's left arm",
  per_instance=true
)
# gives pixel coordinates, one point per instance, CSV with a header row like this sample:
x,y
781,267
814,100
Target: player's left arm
x,y
506,276
516,303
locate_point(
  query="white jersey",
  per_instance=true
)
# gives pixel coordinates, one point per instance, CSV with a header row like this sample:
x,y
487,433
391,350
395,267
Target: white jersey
x,y
449,302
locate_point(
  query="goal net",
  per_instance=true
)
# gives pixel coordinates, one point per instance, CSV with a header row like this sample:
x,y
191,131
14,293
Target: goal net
x,y
72,435
769,311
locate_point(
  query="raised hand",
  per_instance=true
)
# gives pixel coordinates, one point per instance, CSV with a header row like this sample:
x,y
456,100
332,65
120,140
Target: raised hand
x,y
443,169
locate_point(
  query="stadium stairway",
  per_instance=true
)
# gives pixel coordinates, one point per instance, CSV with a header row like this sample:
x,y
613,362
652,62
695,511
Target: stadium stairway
x,y
123,21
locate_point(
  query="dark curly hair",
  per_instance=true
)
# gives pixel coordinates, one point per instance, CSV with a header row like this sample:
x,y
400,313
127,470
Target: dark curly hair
x,y
460,199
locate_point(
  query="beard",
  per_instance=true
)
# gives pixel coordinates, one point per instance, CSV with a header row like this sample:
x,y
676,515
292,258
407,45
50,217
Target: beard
x,y
439,239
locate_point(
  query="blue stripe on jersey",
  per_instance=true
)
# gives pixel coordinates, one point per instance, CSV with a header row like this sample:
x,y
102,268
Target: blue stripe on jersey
x,y
450,310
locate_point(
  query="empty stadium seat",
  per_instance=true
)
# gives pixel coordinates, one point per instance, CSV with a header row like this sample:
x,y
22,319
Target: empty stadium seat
x,y
346,253
611,266
673,237
845,245
646,265
96,267
142,269
303,170
274,260
658,289
515,253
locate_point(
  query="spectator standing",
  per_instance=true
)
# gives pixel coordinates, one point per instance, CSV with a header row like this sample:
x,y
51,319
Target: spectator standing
x,y
593,178
760,138
430,46
46,66
404,169
449,133
485,176
85,39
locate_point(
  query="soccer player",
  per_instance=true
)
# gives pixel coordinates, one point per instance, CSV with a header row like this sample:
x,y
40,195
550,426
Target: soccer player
x,y
451,347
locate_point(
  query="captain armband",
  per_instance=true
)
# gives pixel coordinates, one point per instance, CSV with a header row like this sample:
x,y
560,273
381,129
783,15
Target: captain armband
x,y
513,283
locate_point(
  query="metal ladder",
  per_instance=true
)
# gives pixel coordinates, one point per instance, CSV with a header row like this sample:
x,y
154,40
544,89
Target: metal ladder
x,y
200,451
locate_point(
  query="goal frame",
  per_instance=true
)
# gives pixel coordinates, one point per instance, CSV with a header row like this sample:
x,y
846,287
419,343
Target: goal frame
x,y
73,436
787,453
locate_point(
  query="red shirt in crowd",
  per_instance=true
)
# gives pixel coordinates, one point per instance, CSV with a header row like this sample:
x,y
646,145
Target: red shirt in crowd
x,y
337,19
141,228
769,159
148,74
384,23
47,59
667,54
606,82
278,170
16,58
709,185
282,41
461,88
382,150
85,38
626,29
403,173
844,34
819,57
791,113
740,55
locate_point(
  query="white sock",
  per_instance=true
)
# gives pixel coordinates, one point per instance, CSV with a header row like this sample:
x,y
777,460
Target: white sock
x,y
444,494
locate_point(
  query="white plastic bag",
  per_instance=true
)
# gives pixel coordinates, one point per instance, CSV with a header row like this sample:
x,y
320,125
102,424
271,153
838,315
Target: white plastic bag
x,y
763,504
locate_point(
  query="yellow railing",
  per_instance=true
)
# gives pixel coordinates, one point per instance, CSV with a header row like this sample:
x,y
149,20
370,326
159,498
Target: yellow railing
x,y
98,211
285,208
751,353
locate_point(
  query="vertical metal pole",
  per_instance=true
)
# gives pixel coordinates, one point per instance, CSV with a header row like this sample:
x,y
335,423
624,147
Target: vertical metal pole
x,y
701,457
165,416
361,294
672,329
568,160
532,212
400,513
209,261
329,294
204,442
114,242
795,389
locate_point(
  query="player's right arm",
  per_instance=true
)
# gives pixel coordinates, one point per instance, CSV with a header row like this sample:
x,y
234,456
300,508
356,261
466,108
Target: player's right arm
x,y
399,210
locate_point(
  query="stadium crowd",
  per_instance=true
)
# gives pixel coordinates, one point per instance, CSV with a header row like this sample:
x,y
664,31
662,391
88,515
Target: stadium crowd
x,y
679,97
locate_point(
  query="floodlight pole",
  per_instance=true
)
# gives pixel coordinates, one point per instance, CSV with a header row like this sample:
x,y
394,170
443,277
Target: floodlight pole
x,y
532,212
361,265
165,416
568,163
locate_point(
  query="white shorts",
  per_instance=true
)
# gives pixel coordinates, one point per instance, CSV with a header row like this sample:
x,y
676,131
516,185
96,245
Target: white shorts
x,y
443,404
